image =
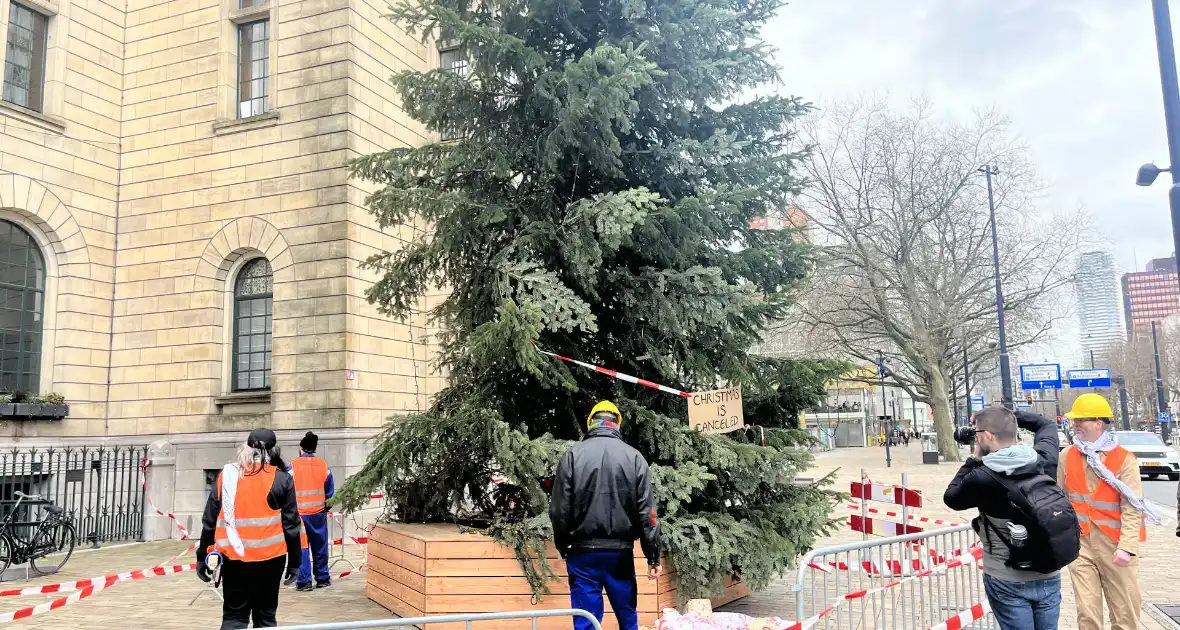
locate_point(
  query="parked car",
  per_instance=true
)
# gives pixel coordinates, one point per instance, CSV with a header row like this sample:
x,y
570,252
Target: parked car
x,y
1155,457
1062,439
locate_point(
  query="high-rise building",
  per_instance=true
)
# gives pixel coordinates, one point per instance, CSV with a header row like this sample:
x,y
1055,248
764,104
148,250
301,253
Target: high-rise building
x,y
1098,301
1152,295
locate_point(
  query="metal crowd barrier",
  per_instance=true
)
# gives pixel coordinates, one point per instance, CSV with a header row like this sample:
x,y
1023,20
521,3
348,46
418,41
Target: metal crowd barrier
x,y
406,622
918,603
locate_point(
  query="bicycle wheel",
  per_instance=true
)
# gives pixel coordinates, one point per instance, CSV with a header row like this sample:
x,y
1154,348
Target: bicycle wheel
x,y
51,547
6,547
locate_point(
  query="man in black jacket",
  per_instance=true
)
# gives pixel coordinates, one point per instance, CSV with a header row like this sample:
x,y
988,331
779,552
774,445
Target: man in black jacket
x,y
602,503
1020,600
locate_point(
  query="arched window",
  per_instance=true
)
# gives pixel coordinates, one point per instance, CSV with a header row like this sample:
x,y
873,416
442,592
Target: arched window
x,y
22,305
252,326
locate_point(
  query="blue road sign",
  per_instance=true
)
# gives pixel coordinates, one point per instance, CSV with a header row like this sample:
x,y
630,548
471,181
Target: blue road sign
x,y
1023,405
977,402
1088,378
1040,376
1165,416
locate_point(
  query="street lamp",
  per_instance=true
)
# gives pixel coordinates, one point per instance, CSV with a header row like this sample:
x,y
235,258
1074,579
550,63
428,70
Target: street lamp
x,y
1005,368
1171,93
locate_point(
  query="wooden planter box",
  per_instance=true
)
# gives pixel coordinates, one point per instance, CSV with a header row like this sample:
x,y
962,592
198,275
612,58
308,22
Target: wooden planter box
x,y
435,569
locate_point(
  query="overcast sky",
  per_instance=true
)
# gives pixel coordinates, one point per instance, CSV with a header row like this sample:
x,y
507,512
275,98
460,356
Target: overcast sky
x,y
1079,80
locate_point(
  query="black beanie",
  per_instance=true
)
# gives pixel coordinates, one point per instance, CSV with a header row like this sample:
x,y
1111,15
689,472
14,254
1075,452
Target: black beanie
x,y
309,442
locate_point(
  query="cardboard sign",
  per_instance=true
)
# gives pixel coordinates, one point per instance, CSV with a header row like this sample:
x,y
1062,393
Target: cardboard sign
x,y
717,411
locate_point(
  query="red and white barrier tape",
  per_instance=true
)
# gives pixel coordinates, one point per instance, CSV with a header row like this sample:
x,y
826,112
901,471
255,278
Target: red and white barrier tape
x,y
917,519
959,561
351,571
92,586
144,465
340,541
963,619
616,375
893,568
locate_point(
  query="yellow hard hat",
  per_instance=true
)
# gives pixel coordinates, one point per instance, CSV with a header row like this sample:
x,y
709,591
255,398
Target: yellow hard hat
x,y
1090,406
606,406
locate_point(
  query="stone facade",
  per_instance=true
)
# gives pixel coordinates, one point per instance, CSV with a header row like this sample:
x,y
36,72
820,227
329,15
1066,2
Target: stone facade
x,y
147,192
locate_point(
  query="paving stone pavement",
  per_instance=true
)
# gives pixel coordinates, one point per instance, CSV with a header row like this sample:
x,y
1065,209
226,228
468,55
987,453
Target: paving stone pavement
x,y
1160,557
162,603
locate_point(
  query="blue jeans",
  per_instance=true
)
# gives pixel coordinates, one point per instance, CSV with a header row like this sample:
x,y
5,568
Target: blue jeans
x,y
1032,605
592,571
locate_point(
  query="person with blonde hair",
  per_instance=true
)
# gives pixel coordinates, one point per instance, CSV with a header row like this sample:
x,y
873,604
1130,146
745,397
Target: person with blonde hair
x,y
252,522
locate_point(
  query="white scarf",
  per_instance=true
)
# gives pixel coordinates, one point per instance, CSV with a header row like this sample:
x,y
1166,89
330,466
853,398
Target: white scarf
x,y
229,492
1105,444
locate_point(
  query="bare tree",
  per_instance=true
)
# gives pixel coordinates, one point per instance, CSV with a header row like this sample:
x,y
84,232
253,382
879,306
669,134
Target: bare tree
x,y
901,210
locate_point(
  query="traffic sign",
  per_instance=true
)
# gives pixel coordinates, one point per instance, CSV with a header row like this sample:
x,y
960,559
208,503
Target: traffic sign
x,y
1165,416
1023,406
977,402
1088,378
1040,376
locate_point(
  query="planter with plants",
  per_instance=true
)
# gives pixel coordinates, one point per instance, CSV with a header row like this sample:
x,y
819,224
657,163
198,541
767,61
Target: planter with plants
x,y
21,405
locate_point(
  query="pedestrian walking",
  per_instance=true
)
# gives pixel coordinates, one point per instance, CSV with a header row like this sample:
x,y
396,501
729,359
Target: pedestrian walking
x,y
252,521
602,503
313,487
1103,483
1025,523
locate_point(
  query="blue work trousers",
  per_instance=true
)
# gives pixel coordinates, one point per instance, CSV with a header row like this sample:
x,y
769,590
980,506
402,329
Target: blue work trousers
x,y
590,573
316,526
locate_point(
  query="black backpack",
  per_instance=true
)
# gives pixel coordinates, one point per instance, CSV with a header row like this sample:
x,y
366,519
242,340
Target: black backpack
x,y
1054,538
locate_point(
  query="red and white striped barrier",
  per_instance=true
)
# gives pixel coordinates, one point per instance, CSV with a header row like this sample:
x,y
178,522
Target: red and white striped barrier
x,y
917,519
965,618
144,465
893,568
879,527
92,586
897,495
616,375
962,560
351,571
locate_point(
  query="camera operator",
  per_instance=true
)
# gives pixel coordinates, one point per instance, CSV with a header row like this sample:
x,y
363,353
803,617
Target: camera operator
x,y
1020,506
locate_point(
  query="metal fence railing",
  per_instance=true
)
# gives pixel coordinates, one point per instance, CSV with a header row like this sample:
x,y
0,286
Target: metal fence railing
x,y
826,575
467,620
101,488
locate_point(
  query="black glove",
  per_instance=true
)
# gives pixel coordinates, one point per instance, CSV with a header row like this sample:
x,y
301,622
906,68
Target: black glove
x,y
204,573
292,573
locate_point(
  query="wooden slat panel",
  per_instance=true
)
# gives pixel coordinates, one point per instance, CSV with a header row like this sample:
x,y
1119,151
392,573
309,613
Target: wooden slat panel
x,y
398,590
409,578
396,537
507,586
448,604
378,549
476,567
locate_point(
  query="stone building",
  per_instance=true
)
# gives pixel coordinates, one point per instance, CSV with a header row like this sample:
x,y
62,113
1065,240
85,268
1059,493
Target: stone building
x,y
179,238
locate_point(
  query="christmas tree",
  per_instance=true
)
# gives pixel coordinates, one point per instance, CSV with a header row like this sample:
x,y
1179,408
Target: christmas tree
x,y
600,168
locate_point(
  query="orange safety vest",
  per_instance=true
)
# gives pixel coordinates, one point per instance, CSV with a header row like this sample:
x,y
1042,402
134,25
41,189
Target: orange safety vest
x,y
1102,508
259,526
310,475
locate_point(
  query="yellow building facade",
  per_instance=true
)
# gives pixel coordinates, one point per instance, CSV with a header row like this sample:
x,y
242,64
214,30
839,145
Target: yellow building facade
x,y
179,239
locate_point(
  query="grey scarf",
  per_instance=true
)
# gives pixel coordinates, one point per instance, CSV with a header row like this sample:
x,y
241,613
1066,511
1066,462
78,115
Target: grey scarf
x,y
1105,444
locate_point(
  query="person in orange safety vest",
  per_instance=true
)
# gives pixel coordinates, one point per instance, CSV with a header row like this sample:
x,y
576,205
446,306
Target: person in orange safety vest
x,y
1102,481
313,487
252,520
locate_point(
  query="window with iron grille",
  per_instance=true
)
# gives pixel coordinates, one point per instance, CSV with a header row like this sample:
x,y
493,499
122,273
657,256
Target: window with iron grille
x,y
253,70
24,57
454,61
22,303
253,315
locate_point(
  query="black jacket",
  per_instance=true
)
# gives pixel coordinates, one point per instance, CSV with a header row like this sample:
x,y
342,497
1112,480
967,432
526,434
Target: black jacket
x,y
602,498
281,497
973,487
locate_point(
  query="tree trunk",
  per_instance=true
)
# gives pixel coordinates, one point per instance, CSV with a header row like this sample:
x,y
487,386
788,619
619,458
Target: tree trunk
x,y
944,426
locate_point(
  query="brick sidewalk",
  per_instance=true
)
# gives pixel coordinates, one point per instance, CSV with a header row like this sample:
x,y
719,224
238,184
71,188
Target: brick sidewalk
x,y
163,602
1158,575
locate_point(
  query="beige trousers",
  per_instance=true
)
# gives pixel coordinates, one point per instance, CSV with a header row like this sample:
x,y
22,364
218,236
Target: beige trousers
x,y
1095,575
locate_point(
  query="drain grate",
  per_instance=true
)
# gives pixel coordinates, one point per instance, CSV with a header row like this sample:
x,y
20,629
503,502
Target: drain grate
x,y
1168,612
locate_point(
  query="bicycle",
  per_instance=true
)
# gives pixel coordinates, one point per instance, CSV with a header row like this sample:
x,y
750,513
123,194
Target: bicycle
x,y
54,537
